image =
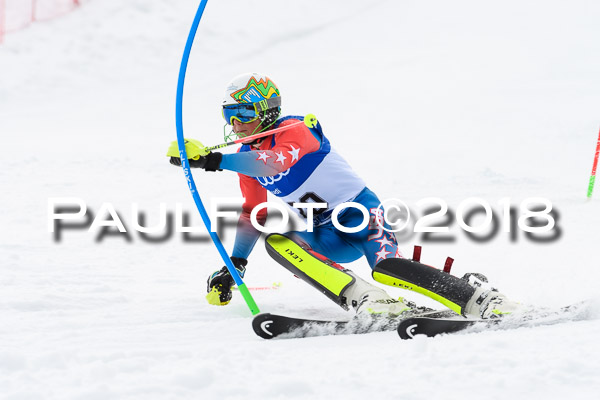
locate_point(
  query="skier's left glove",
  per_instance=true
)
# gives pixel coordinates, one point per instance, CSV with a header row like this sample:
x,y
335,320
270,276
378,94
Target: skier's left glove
x,y
220,282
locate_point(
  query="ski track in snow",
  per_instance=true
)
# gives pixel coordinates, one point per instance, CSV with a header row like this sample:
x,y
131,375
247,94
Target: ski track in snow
x,y
447,99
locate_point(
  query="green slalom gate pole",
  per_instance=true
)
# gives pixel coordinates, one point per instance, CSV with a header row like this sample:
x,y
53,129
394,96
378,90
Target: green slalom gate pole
x,y
186,165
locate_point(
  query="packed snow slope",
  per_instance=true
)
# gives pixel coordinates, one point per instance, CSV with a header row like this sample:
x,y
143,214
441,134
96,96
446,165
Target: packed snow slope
x,y
446,99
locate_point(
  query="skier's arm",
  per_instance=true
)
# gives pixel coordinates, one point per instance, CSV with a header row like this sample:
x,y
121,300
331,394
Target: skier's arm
x,y
246,235
291,145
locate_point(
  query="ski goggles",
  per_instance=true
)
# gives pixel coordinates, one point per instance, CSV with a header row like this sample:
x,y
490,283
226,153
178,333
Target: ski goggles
x,y
244,113
248,112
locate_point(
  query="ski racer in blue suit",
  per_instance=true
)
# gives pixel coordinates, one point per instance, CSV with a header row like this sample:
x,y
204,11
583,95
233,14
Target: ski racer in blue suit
x,y
299,165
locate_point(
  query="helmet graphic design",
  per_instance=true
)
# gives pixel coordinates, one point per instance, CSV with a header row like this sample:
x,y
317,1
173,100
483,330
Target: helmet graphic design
x,y
249,97
250,88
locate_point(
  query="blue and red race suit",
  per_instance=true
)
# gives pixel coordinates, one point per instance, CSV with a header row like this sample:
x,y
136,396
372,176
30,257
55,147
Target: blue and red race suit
x,y
299,165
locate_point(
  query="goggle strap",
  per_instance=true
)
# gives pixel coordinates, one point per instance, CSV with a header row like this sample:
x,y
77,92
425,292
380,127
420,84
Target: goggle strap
x,y
267,104
261,106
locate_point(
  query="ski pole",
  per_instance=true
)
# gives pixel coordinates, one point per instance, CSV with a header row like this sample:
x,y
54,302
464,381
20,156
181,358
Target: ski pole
x,y
186,165
310,120
593,176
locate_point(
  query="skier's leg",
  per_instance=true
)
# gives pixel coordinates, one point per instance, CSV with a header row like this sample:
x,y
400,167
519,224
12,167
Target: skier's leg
x,y
379,245
338,283
376,241
326,241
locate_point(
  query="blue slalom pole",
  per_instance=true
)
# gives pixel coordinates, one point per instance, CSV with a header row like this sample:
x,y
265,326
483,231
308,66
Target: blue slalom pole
x,y
186,165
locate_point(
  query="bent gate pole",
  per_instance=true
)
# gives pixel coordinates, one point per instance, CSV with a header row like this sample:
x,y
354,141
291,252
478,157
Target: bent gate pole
x,y
186,165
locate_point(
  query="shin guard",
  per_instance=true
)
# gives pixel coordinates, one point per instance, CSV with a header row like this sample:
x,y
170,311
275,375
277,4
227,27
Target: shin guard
x,y
329,278
449,290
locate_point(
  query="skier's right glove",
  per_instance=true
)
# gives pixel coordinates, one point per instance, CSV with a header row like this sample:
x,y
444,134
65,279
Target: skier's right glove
x,y
198,156
221,282
193,148
210,162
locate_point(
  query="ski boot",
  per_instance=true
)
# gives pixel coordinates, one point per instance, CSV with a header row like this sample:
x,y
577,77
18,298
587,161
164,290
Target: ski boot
x,y
367,299
487,302
221,282
370,300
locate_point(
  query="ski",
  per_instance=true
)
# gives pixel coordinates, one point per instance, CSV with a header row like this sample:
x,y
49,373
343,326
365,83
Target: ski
x,y
430,323
431,326
269,326
410,327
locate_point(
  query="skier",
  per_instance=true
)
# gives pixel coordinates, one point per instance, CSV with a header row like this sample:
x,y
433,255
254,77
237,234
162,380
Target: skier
x,y
299,165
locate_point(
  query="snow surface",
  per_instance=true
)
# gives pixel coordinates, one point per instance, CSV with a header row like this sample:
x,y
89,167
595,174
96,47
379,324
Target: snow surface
x,y
451,99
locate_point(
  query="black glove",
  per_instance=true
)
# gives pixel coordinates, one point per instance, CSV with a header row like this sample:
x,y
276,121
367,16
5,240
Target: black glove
x,y
223,277
210,162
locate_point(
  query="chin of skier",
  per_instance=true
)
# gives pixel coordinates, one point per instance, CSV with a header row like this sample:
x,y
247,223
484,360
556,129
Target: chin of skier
x,y
299,165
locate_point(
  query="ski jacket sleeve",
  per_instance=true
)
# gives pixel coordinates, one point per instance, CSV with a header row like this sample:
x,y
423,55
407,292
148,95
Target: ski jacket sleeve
x,y
246,235
290,146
